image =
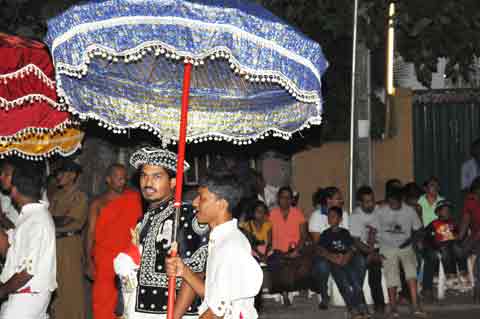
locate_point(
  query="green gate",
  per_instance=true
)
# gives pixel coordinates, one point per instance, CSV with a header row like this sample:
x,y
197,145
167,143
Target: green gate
x,y
445,122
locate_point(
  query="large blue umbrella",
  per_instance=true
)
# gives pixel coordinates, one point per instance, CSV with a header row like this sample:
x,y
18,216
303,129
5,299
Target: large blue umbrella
x,y
121,62
118,62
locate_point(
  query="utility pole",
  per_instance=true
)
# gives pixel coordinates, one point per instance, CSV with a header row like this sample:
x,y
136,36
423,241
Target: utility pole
x,y
363,167
360,140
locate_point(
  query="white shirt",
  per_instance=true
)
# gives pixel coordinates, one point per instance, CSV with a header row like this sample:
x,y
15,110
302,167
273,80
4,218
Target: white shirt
x,y
318,222
361,223
8,208
32,248
233,276
394,227
469,173
271,193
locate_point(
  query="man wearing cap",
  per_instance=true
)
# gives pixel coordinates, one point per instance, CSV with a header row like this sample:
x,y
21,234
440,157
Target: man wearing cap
x,y
69,208
153,235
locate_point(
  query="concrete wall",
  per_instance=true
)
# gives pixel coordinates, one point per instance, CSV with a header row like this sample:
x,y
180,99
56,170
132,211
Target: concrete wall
x,y
328,165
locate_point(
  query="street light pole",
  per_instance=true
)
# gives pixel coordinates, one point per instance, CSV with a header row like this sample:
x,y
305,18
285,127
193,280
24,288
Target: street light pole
x,y
352,107
360,141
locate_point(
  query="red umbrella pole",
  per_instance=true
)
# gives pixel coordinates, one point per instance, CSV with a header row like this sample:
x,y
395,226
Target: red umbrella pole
x,y
179,180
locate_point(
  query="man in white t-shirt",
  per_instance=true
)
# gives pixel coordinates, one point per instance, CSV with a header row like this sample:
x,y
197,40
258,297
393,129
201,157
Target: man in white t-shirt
x,y
362,229
29,274
8,213
396,224
233,276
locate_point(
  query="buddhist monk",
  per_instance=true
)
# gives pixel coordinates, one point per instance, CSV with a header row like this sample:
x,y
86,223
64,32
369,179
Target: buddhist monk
x,y
116,181
112,235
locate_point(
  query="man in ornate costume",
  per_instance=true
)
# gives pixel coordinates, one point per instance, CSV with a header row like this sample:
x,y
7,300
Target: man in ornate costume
x,y
145,283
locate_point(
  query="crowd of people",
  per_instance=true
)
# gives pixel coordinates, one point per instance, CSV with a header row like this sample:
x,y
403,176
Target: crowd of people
x,y
401,239
52,238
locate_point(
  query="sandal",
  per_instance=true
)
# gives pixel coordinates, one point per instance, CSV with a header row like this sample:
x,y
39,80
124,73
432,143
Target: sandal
x,y
419,313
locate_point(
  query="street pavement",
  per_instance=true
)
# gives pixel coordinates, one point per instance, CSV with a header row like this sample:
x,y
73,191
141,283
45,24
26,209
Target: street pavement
x,y
453,307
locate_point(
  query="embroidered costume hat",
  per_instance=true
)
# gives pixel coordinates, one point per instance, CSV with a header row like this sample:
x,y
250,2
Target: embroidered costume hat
x,y
157,157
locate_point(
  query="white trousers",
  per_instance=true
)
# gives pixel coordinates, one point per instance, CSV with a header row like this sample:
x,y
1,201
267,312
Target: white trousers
x,y
26,306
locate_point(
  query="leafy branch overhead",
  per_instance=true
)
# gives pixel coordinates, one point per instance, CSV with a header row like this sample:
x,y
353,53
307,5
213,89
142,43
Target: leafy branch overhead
x,y
426,31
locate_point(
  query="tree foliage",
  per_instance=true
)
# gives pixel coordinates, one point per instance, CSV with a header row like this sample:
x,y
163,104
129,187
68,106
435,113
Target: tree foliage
x,y
426,31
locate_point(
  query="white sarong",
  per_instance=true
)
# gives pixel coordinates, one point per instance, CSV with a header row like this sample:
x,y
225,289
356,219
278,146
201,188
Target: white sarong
x,y
26,306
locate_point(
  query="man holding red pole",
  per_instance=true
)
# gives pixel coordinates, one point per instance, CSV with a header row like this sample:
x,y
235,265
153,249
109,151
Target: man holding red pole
x,y
157,170
233,276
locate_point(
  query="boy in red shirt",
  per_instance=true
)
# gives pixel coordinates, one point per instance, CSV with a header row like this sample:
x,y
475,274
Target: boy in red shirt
x,y
442,235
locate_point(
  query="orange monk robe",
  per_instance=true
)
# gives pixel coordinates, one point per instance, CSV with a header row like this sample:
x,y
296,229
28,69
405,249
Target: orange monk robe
x,y
112,236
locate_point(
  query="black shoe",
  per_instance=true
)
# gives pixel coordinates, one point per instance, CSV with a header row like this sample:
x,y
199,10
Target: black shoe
x,y
379,310
427,297
323,305
476,295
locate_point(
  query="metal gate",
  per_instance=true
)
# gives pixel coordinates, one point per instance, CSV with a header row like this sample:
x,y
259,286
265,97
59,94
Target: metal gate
x,y
445,122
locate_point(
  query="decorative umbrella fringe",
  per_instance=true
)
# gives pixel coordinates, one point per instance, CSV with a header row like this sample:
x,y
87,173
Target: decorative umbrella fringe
x,y
30,98
58,149
26,71
211,136
39,131
158,48
40,157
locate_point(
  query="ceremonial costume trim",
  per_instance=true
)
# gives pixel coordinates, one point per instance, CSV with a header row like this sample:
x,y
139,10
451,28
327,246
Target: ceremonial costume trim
x,y
155,238
157,157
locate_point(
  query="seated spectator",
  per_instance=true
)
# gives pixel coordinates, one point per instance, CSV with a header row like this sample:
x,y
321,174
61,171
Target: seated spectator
x,y
265,192
289,234
389,184
318,222
428,202
317,200
470,231
443,238
336,248
364,235
288,225
259,232
411,195
395,224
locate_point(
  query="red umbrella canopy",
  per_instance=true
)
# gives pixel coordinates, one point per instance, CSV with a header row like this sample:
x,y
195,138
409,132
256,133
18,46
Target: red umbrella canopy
x,y
28,99
32,123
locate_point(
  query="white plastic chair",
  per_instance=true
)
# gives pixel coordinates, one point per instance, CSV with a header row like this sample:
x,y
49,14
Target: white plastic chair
x,y
442,278
336,298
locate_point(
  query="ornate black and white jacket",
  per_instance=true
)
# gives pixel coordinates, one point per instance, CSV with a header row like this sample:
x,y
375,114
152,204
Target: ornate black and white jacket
x,y
155,237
